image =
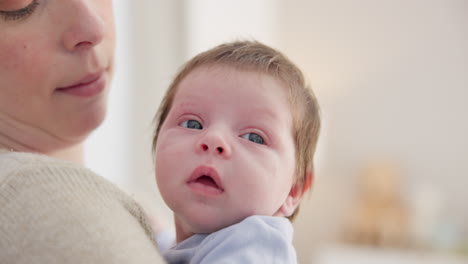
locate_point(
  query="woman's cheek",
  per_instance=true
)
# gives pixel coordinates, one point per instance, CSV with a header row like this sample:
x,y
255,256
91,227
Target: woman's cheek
x,y
24,59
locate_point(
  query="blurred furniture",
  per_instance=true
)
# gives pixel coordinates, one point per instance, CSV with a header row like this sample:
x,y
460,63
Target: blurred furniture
x,y
369,255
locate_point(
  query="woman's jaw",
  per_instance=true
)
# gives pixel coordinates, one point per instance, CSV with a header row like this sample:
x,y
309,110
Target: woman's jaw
x,y
44,143
63,130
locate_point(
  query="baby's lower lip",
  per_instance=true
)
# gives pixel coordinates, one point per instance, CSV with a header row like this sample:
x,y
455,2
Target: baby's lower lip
x,y
204,189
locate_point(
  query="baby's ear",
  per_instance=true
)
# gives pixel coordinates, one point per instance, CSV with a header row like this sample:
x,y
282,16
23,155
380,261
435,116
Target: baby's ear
x,y
295,196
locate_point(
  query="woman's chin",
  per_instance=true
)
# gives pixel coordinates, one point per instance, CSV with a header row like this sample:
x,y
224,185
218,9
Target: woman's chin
x,y
81,130
77,129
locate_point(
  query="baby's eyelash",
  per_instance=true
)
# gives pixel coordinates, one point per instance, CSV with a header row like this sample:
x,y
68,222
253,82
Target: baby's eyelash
x,y
20,13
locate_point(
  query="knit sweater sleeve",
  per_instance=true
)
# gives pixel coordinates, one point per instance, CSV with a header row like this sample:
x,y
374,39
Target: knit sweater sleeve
x,y
53,211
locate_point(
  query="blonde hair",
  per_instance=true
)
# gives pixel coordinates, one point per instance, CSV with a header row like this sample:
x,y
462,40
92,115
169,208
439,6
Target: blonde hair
x,y
255,56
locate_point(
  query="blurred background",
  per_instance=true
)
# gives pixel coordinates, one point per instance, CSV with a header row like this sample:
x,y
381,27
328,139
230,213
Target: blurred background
x,y
392,80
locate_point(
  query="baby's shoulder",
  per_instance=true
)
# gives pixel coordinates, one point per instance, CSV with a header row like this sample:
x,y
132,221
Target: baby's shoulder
x,y
256,239
255,229
260,223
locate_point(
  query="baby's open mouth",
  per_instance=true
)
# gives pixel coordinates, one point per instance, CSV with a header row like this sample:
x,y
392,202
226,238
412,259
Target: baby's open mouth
x,y
206,180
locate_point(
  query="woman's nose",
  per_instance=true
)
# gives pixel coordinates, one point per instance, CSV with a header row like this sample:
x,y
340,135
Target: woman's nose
x,y
86,26
214,143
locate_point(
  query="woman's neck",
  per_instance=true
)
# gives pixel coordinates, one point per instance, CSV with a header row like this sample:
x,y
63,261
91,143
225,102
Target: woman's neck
x,y
74,154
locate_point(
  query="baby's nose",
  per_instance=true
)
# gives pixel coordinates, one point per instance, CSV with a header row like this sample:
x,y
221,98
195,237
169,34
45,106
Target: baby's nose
x,y
205,147
215,143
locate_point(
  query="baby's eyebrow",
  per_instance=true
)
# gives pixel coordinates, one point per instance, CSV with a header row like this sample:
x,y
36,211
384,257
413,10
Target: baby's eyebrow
x,y
264,113
185,106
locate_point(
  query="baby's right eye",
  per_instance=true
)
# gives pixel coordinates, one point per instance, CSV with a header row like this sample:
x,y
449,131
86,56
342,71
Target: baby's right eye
x,y
192,124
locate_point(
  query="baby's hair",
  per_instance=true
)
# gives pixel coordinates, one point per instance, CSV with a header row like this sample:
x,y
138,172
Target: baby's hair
x,y
255,56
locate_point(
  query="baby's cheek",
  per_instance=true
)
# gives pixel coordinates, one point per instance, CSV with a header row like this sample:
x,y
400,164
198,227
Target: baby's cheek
x,y
168,152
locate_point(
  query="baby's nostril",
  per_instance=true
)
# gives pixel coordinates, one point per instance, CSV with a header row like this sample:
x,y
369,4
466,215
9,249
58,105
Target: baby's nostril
x,y
220,149
205,147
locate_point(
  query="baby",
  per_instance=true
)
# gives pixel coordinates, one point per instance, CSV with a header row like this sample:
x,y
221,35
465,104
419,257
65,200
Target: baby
x,y
234,145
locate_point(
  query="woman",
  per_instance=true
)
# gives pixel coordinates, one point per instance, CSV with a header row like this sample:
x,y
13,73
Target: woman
x,y
56,63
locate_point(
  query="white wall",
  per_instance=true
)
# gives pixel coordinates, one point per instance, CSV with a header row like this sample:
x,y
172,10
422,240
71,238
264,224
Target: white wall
x,y
150,49
107,150
211,22
392,80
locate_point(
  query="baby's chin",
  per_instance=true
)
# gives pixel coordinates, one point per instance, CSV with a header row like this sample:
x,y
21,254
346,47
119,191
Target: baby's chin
x,y
206,225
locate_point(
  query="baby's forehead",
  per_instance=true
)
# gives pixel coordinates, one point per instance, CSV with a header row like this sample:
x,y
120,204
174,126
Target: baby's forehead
x,y
226,69
245,86
213,81
230,72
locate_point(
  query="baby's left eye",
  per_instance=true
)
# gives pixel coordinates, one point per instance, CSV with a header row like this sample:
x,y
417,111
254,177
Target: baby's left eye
x,y
192,124
255,138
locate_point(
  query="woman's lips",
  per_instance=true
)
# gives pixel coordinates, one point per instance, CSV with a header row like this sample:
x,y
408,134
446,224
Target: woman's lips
x,y
90,85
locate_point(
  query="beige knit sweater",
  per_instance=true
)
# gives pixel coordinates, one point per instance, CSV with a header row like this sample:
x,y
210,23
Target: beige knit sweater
x,y
52,211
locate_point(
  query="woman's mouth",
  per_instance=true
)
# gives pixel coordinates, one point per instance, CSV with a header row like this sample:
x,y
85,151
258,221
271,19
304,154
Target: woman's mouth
x,y
88,86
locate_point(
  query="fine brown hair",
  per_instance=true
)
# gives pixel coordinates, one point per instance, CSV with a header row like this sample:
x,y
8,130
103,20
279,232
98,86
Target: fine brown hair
x,y
257,57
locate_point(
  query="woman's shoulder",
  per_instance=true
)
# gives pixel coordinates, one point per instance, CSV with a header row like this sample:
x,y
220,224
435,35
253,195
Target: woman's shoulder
x,y
22,172
15,164
44,200
13,160
24,164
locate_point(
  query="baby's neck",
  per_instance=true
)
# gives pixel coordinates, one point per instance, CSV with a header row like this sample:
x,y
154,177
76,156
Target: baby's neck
x,y
181,232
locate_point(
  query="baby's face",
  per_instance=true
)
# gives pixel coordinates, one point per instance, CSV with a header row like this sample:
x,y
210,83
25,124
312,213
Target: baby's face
x,y
226,150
